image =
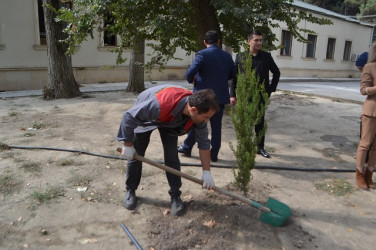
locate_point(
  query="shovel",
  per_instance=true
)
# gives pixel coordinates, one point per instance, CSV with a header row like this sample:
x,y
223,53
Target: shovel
x,y
274,213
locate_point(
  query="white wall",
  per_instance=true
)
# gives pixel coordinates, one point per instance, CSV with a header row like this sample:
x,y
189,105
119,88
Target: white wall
x,y
24,62
19,32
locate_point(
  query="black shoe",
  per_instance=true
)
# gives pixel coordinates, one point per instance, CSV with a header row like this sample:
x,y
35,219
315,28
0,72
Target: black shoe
x,y
130,200
213,158
177,206
263,153
186,152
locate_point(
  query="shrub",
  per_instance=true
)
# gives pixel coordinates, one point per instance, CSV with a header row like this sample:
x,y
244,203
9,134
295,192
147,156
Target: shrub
x,y
245,115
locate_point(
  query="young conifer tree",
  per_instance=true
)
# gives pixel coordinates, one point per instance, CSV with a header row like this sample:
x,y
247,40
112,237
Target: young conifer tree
x,y
245,115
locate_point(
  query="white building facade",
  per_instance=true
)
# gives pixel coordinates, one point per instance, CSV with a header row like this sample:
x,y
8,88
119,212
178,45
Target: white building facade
x,y
24,62
333,50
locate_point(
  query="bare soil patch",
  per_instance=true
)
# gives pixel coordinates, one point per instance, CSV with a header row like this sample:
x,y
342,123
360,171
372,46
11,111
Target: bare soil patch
x,y
60,200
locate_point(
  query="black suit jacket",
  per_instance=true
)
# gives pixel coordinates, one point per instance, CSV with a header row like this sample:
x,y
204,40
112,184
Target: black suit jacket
x,y
263,63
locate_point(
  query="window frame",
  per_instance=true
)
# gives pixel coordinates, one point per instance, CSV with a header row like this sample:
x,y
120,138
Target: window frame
x,y
311,47
39,44
2,44
111,37
330,48
347,51
40,21
286,50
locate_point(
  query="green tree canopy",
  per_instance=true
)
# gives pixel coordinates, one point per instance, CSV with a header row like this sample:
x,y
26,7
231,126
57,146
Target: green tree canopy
x,y
368,8
345,7
172,24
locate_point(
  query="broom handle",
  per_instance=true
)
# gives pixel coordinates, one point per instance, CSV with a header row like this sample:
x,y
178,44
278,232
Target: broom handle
x,y
193,179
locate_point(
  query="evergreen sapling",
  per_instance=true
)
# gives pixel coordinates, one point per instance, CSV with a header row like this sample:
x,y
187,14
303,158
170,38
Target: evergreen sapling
x,y
247,112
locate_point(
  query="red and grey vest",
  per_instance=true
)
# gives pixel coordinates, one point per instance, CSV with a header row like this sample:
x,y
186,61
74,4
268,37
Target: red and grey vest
x,y
168,98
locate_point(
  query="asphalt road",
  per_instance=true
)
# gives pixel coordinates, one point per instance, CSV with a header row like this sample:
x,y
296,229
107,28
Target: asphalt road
x,y
344,90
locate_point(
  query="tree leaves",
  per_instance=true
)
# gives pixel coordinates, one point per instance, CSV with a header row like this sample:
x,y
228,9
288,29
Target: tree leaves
x,y
172,23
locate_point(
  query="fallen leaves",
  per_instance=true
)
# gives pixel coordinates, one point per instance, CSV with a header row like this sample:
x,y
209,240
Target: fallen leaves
x,y
166,212
188,197
350,204
81,189
209,224
88,240
44,232
19,219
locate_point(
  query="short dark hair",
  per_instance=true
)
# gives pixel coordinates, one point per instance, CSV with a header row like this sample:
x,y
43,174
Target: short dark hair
x,y
211,37
204,100
254,32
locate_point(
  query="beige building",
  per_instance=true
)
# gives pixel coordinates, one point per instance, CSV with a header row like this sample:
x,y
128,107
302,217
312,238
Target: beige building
x,y
23,53
333,50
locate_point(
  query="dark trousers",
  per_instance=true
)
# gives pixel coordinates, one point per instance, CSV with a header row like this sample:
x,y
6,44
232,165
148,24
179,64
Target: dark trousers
x,y
259,126
171,159
258,129
216,133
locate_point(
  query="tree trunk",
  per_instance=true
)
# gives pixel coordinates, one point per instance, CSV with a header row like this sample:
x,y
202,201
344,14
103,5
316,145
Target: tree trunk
x,y
61,82
205,19
136,68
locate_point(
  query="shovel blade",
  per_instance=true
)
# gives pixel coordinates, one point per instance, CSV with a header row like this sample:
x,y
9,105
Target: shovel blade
x,y
279,213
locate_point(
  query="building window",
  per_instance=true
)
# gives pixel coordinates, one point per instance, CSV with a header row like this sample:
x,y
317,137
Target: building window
x,y
330,48
347,51
109,39
42,28
286,43
311,46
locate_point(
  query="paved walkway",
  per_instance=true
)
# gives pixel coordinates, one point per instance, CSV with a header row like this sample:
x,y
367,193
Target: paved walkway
x,y
87,88
97,87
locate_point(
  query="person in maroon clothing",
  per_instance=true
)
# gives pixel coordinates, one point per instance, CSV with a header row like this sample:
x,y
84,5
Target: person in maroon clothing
x,y
174,111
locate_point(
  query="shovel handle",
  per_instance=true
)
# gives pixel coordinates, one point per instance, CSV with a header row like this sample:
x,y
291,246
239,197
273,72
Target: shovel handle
x,y
245,200
168,169
198,181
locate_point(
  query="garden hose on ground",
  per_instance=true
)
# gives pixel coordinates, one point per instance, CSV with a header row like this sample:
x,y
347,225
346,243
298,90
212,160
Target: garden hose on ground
x,y
8,147
133,239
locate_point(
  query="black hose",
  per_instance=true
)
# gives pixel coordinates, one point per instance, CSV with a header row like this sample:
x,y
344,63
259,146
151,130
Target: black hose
x,y
131,236
5,146
274,168
65,150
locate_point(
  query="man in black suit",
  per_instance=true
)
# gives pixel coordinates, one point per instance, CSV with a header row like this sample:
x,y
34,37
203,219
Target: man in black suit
x,y
262,63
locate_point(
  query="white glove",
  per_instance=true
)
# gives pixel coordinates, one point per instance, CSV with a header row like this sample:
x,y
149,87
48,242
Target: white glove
x,y
208,180
128,152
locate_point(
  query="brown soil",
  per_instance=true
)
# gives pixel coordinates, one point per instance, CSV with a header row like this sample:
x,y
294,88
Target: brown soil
x,y
41,207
